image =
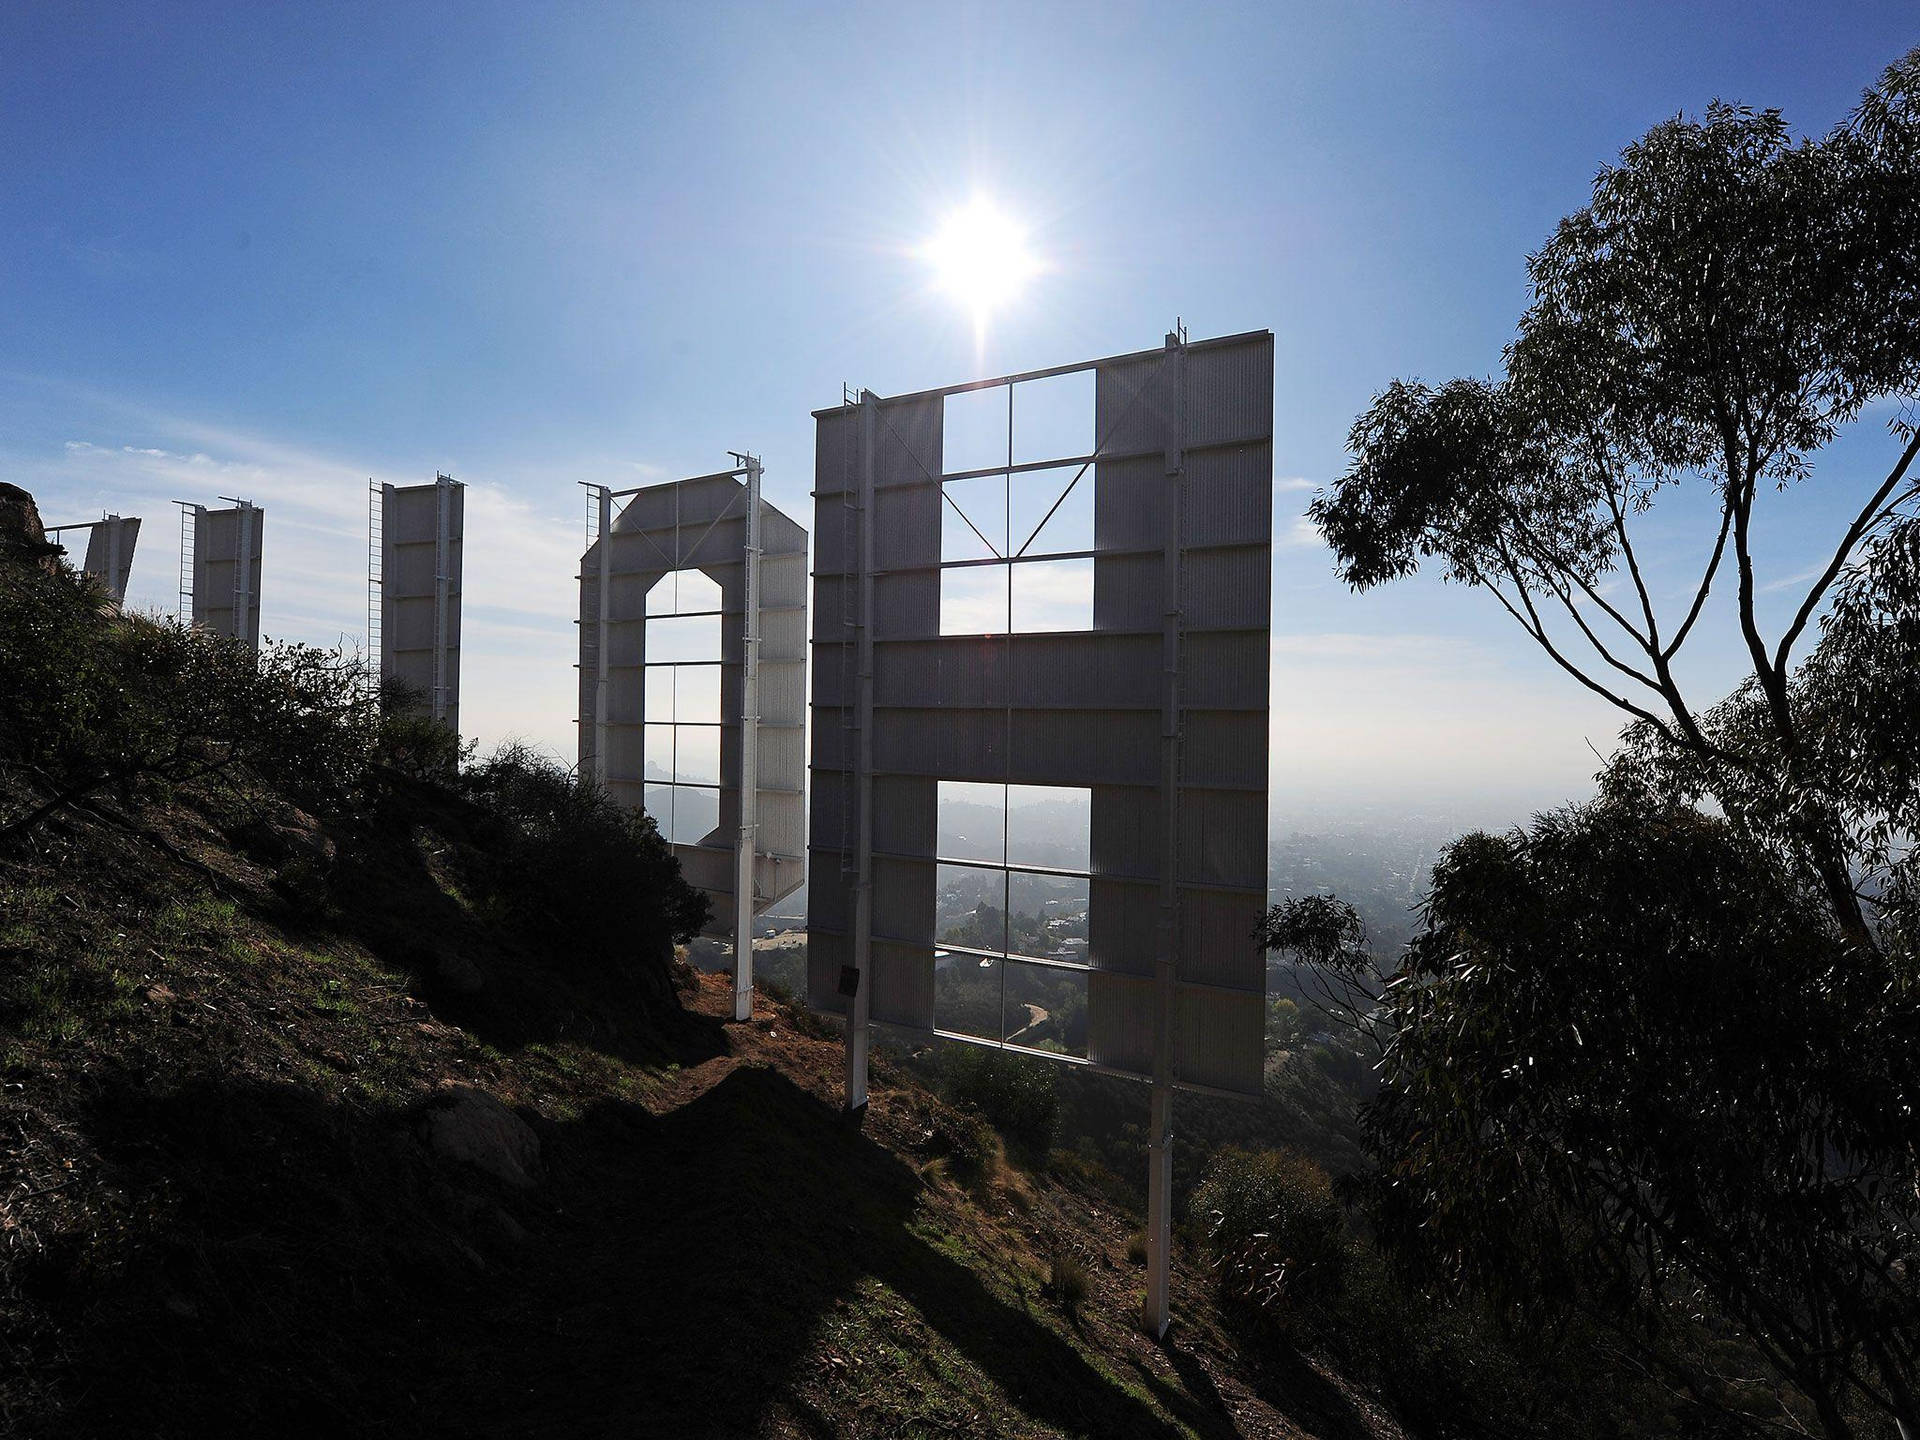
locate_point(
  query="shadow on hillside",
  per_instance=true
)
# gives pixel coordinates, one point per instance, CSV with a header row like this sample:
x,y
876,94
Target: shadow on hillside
x,y
290,1266
385,897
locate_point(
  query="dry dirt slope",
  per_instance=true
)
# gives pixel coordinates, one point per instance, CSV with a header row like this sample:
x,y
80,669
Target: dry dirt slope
x,y
251,1187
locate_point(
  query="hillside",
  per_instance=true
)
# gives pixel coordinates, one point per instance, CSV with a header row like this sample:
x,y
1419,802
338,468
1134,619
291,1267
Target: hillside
x,y
260,1179
346,1091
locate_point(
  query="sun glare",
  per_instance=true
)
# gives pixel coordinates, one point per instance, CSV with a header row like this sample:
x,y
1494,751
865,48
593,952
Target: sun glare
x,y
980,258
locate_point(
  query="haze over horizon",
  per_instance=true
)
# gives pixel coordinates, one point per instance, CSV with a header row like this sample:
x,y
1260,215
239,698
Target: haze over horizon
x,y
277,253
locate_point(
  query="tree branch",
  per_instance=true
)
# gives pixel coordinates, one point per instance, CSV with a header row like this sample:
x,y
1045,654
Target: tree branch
x,y
1706,584
1864,521
1532,625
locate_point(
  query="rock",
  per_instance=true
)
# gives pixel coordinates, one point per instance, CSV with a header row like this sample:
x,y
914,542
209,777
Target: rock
x,y
458,973
290,837
22,535
472,1127
503,1228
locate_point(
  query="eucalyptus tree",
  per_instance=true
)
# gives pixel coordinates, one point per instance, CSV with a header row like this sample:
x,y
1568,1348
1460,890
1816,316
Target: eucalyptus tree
x,y
1658,1058
1730,300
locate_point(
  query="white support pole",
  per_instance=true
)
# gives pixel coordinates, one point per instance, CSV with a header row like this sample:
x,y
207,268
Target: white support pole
x,y
860,1005
1167,948
745,852
442,587
604,641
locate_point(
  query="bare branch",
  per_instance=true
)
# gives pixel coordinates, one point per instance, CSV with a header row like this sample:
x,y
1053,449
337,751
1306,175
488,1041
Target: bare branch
x,y
1706,584
1864,521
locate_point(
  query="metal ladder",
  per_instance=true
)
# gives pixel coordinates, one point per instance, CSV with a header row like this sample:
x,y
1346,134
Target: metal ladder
x,y
188,513
850,519
376,581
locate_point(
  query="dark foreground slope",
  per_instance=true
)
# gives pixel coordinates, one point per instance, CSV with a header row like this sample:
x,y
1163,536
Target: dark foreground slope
x,y
251,1188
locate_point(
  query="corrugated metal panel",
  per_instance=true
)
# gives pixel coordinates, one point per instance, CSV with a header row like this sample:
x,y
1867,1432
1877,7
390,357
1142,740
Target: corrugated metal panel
x,y
783,697
712,871
783,826
1085,747
829,903
783,578
1128,829
826,953
1225,748
1135,407
1120,1022
906,526
1224,670
907,441
833,682
928,674
906,817
834,530
1230,393
826,816
951,744
902,985
903,900
832,608
1219,1039
836,441
1115,671
1130,503
1223,838
906,607
1227,589
1123,925
1228,499
1129,592
1218,945
832,747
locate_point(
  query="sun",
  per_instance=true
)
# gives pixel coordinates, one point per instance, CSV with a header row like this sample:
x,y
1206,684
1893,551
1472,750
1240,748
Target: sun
x,y
980,257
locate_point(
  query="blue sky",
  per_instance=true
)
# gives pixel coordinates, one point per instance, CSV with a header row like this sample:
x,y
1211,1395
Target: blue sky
x,y
275,250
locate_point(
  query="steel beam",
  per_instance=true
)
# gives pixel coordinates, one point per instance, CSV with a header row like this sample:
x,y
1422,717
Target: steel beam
x,y
745,851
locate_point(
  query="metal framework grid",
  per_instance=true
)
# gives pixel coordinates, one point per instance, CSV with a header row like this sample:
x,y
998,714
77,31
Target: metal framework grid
x,y
416,628
220,564
1160,710
716,525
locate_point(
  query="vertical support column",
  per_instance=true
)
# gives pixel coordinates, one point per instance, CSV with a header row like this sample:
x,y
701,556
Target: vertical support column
x,y
1167,946
859,1007
745,852
114,587
243,572
605,637
442,583
379,607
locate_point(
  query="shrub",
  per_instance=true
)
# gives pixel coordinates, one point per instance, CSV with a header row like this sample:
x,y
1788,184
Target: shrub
x,y
566,865
1068,1282
970,1144
1277,1235
1015,1093
412,742
98,703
